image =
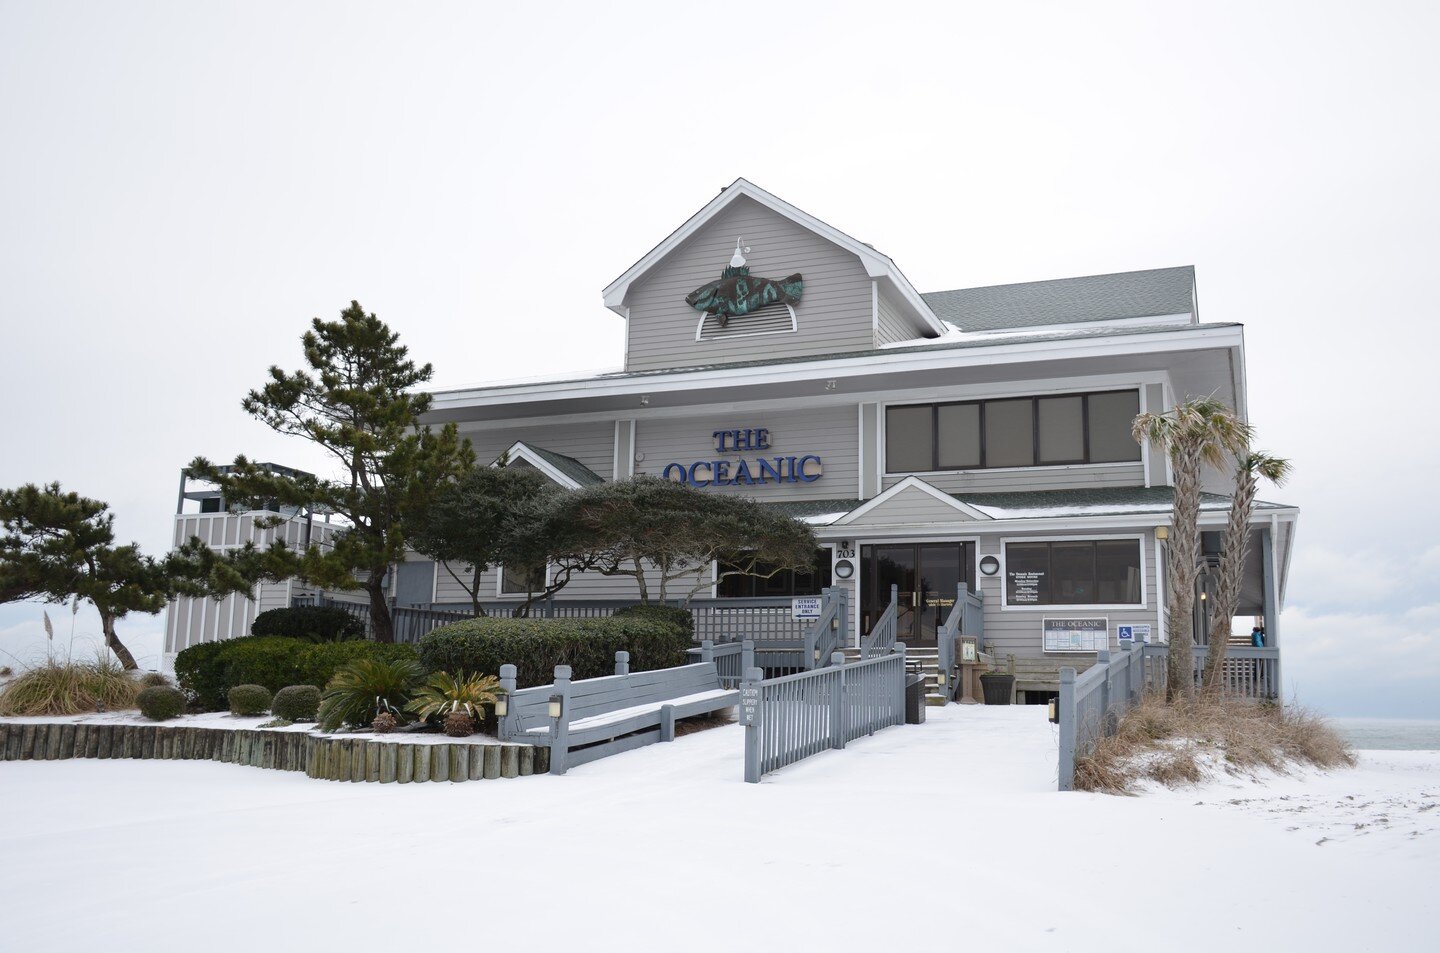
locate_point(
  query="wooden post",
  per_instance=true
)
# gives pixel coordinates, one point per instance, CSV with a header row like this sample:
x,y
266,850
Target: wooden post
x,y
900,692
1067,729
747,655
750,702
707,650
667,722
622,663
838,728
527,761
510,761
491,767
506,727
560,727
1103,660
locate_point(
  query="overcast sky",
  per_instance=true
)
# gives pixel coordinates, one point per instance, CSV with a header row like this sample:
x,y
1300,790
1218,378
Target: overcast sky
x,y
183,186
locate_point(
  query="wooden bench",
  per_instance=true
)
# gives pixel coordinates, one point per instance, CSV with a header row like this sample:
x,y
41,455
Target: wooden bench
x,y
599,717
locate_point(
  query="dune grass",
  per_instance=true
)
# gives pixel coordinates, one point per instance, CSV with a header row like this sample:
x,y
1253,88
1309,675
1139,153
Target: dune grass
x,y
67,687
1176,744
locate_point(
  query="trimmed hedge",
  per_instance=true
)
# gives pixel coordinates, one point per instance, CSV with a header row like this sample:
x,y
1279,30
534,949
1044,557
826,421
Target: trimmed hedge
x,y
670,615
249,699
296,703
160,702
311,623
536,646
206,672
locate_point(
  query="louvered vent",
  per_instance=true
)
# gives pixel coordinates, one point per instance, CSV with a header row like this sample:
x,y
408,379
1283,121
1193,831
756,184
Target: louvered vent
x,y
776,319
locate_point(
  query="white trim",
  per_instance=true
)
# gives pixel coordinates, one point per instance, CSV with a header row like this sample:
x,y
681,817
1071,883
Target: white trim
x,y
615,455
727,335
634,449
875,310
860,451
519,451
876,264
911,482
1005,606
1144,444
1159,319
1160,634
1111,522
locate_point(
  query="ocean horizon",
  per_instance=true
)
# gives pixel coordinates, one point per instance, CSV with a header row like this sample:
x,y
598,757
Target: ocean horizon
x,y
1390,734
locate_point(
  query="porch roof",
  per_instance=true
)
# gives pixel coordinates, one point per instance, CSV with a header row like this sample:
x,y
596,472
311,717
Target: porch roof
x,y
817,512
1097,501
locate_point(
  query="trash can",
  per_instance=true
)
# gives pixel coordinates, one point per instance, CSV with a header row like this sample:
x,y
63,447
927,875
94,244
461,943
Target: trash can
x,y
914,699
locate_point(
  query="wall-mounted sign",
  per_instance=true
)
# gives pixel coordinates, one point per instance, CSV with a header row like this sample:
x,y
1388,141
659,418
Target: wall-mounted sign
x,y
1076,635
805,607
759,471
739,293
1024,587
1139,634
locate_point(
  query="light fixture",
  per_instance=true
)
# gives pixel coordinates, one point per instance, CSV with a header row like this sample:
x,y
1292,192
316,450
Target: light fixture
x,y
1202,597
639,458
644,400
1054,712
989,565
844,569
831,384
557,706
502,706
1162,532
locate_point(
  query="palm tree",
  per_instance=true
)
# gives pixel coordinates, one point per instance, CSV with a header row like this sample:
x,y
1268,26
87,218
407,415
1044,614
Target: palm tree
x,y
1196,432
1250,468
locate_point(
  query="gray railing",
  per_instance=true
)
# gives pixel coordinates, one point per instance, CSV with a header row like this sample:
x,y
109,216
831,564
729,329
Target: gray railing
x,y
790,718
732,659
1091,705
882,634
967,617
733,620
1248,672
411,622
829,633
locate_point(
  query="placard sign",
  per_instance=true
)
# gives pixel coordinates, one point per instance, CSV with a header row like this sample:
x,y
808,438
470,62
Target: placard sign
x,y
805,607
1139,634
1024,587
749,703
1076,635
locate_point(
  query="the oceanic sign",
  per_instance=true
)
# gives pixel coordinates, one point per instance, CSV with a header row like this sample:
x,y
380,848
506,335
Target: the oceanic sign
x,y
759,471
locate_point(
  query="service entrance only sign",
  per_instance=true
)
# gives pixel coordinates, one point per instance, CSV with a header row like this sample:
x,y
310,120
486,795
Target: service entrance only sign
x,y
805,607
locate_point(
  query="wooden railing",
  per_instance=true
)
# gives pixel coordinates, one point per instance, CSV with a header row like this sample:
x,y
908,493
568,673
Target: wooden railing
x,y
882,634
1248,671
732,659
1091,705
829,633
790,718
967,617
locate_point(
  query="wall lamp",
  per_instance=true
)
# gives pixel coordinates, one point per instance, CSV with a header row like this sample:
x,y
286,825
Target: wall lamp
x,y
502,706
557,706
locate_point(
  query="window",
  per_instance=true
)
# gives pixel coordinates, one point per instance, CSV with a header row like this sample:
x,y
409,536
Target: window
x,y
800,582
1013,432
521,582
1073,573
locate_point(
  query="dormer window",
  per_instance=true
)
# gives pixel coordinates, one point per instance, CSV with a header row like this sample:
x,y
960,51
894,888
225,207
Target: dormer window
x,y
775,319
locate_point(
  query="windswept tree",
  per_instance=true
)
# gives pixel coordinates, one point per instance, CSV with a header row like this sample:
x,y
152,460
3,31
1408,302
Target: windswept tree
x,y
357,400
1251,467
489,517
1194,434
59,546
658,530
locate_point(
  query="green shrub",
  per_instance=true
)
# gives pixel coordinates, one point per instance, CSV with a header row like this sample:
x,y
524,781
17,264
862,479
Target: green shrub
x,y
200,673
160,702
310,623
317,664
671,615
249,699
444,694
296,703
69,688
365,688
536,646
269,661
154,678
206,671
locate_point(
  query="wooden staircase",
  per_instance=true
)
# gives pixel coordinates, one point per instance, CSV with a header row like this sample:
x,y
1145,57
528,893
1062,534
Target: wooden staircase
x,y
925,660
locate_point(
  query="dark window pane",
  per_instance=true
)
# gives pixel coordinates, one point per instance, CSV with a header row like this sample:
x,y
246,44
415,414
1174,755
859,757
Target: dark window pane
x,y
1111,416
1117,571
909,439
1009,433
1062,429
521,582
959,426
1073,565
1027,574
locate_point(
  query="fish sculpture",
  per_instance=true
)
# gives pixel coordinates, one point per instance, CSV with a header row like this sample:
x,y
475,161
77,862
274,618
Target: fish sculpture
x,y
739,293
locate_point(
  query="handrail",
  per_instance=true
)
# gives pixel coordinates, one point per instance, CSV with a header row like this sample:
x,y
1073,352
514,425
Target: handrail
x,y
828,634
1091,704
882,633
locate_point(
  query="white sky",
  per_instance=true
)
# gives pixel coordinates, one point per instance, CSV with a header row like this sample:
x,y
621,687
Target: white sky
x,y
183,186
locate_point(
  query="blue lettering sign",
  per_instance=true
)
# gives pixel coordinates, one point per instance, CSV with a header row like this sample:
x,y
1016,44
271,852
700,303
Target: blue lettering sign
x,y
762,471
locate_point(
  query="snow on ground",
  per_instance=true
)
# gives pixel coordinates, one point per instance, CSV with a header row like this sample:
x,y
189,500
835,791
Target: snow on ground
x,y
946,835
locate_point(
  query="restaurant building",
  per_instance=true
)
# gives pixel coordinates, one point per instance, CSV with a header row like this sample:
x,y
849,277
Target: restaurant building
x,y
977,436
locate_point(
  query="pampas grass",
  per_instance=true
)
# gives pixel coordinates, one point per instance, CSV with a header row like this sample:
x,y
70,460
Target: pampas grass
x,y
70,688
1173,744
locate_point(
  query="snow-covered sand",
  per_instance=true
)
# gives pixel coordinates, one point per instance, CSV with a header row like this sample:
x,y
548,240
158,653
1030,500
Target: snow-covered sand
x,y
946,836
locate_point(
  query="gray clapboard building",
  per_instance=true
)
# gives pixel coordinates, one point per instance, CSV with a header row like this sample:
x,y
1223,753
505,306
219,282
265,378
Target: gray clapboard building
x,y
977,436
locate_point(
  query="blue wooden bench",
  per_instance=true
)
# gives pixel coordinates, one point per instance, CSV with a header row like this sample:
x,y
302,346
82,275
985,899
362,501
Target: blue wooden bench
x,y
590,719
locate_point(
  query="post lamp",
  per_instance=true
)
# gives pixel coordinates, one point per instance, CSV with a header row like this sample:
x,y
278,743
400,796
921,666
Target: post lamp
x,y
502,706
557,706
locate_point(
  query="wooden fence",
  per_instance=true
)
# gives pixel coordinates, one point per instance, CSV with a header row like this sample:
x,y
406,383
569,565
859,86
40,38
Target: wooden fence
x,y
1091,704
325,758
792,717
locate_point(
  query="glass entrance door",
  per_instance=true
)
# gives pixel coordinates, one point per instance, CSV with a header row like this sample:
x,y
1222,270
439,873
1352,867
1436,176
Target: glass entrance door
x,y
925,574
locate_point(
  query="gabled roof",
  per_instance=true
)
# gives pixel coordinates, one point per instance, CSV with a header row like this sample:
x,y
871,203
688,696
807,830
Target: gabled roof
x,y
877,265
1096,501
1132,294
960,508
566,471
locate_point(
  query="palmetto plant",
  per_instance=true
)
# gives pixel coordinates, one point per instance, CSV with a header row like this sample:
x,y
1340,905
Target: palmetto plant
x,y
444,693
364,688
1200,431
1251,468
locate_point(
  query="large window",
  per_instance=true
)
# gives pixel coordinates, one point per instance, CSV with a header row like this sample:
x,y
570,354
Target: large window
x,y
1014,432
785,582
1104,572
521,581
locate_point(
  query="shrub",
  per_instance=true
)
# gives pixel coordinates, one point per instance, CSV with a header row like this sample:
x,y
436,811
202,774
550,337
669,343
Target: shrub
x,y
69,688
671,615
150,679
271,662
296,703
444,694
536,646
383,723
458,724
317,664
309,623
365,688
160,702
206,671
249,699
200,673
